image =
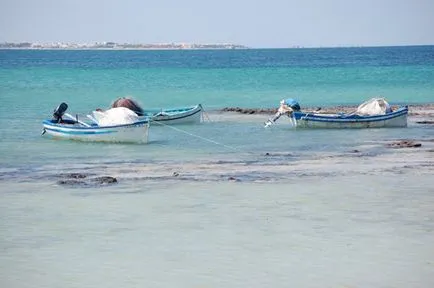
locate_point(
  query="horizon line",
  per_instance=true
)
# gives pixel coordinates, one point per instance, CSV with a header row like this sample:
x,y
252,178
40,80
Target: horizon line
x,y
193,46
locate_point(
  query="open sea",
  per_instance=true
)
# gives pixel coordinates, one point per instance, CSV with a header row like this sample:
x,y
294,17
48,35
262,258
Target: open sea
x,y
225,203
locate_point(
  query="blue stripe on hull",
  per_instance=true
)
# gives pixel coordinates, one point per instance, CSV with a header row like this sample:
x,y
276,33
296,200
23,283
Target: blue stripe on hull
x,y
176,117
348,119
80,132
53,125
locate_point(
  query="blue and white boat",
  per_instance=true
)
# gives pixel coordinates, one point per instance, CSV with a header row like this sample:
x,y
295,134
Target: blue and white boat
x,y
397,118
75,129
186,115
374,113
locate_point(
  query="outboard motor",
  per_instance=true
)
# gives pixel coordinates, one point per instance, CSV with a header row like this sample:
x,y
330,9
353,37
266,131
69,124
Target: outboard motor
x,y
287,106
59,111
291,103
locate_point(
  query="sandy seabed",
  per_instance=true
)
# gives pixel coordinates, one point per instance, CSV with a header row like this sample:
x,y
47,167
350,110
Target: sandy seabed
x,y
397,157
351,218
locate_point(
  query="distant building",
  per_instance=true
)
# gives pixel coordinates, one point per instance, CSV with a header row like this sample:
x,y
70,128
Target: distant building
x,y
114,45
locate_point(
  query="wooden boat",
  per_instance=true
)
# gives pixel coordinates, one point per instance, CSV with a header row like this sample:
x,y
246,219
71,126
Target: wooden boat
x,y
186,115
397,118
68,129
75,129
374,113
126,133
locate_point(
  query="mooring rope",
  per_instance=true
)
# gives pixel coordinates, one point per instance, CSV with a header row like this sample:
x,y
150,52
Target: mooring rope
x,y
205,113
197,136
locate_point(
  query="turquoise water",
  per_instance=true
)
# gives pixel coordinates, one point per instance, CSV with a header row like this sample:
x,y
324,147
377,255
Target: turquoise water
x,y
217,78
255,206
33,83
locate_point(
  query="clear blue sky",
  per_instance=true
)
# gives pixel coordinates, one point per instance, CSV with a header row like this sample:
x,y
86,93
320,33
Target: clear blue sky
x,y
271,23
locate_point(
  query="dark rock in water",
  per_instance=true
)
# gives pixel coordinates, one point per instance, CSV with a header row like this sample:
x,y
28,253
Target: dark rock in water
x,y
73,175
425,122
279,154
250,110
404,144
105,180
71,182
81,180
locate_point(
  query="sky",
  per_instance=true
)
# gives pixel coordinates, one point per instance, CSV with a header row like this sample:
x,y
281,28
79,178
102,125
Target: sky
x,y
253,23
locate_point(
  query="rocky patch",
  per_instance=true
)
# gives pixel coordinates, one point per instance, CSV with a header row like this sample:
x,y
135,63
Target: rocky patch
x,y
250,110
425,122
404,144
82,180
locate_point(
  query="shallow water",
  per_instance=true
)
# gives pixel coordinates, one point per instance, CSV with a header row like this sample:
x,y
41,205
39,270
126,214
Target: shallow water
x,y
362,231
347,213
225,203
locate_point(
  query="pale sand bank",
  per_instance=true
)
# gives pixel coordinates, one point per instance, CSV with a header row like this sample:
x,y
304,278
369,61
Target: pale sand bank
x,y
368,159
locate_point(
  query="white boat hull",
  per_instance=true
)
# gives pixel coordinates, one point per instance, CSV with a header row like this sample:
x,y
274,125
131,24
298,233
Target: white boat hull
x,y
190,115
310,120
130,133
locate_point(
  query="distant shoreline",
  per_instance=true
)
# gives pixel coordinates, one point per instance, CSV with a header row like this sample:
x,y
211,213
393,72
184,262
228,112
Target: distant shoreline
x,y
153,47
119,49
116,46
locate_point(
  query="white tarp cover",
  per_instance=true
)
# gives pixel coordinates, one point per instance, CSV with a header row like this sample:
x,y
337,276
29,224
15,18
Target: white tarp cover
x,y
374,106
115,116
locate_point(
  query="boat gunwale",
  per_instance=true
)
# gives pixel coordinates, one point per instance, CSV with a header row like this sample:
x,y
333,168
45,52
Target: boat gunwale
x,y
196,109
152,112
94,127
402,111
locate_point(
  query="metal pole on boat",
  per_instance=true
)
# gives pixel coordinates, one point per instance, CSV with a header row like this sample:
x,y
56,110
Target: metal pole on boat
x,y
76,119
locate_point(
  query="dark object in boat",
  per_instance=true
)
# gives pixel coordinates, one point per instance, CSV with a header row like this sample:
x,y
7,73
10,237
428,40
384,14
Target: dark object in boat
x,y
128,103
59,111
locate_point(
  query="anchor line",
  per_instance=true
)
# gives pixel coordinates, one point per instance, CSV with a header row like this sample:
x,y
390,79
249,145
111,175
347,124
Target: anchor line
x,y
197,136
205,113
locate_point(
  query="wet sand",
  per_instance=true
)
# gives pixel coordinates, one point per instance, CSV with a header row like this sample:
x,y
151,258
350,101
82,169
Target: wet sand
x,y
362,231
358,217
402,158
